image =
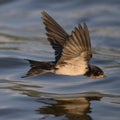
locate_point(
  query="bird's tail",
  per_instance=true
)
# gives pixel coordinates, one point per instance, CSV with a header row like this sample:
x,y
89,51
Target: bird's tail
x,y
38,67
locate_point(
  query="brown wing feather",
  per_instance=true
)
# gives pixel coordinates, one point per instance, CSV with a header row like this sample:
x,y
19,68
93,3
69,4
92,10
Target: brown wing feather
x,y
77,46
87,36
55,33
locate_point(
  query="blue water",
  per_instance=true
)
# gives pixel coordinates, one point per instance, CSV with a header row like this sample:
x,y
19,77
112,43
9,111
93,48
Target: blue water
x,y
50,96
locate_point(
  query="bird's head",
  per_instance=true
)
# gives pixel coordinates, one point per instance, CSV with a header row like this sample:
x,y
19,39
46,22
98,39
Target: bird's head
x,y
95,72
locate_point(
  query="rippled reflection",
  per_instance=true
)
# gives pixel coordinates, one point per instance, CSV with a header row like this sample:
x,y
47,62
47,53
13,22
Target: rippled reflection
x,y
72,108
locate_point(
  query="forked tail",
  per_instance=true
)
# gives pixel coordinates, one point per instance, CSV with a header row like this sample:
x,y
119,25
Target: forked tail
x,y
38,67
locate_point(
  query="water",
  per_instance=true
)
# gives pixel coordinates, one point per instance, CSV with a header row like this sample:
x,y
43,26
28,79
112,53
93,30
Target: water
x,y
50,96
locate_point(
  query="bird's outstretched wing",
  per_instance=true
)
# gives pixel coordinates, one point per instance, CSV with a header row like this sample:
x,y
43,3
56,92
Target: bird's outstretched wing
x,y
55,33
77,49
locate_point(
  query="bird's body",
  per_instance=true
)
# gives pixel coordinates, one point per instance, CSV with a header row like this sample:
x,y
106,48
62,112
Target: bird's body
x,y
71,69
72,52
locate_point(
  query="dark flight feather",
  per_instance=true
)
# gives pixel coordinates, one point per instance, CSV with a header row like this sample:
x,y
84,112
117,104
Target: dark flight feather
x,y
55,33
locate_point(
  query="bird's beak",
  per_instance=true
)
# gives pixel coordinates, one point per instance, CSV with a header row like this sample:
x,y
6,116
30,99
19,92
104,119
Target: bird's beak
x,y
102,76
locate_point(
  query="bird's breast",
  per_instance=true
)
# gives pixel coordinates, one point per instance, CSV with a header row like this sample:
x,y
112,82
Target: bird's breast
x,y
71,70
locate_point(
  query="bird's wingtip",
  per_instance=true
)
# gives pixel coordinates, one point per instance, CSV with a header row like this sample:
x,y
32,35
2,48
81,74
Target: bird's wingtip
x,y
43,12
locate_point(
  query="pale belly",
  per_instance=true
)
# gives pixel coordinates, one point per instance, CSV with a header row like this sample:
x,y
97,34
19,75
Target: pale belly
x,y
71,70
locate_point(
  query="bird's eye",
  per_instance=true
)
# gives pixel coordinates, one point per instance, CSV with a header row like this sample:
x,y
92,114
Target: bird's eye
x,y
97,72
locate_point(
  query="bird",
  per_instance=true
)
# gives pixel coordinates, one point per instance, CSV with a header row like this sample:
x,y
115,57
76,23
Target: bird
x,y
72,52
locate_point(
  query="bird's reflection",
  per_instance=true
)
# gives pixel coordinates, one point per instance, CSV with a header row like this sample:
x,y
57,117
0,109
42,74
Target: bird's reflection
x,y
72,108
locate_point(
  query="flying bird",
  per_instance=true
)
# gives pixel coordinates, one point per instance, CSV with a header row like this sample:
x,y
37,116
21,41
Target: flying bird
x,y
72,52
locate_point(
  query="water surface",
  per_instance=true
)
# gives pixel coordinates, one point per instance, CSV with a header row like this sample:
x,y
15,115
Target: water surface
x,y
50,96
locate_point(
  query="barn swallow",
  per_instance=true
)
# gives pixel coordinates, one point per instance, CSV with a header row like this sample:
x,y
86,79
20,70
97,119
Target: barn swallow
x,y
72,52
